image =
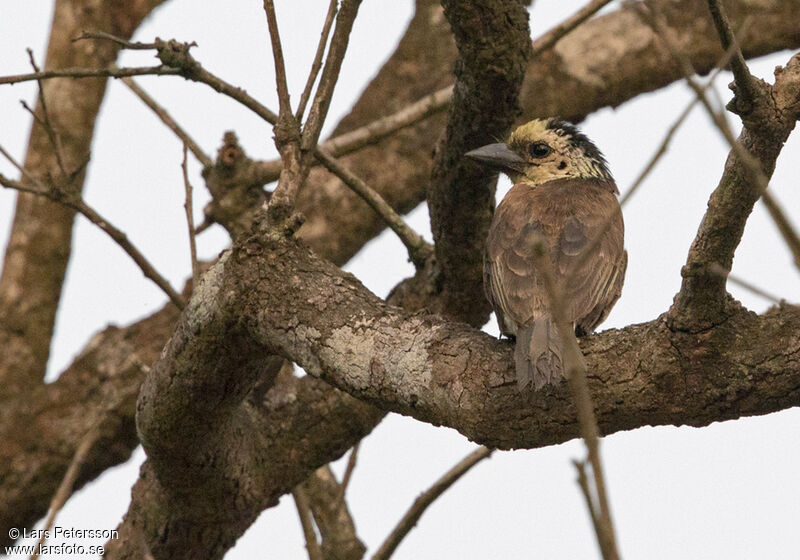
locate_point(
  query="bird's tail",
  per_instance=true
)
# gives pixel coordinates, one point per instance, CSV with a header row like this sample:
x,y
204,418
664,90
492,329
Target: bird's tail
x,y
537,354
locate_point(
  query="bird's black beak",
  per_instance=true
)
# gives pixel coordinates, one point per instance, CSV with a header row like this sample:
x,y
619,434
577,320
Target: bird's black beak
x,y
498,156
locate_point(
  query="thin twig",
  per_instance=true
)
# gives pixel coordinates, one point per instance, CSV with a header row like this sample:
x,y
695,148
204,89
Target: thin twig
x,y
46,123
348,471
586,490
165,117
741,74
119,40
575,366
172,51
65,488
418,249
330,73
188,207
549,39
110,72
284,104
317,64
16,164
78,204
425,499
304,512
719,270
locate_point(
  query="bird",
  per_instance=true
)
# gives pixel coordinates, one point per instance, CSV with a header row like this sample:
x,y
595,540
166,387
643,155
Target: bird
x,y
564,197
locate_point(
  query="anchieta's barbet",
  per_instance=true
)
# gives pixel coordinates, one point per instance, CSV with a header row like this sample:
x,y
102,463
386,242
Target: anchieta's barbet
x,y
563,196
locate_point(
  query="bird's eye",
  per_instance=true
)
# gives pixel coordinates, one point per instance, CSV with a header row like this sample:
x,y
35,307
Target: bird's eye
x,y
539,150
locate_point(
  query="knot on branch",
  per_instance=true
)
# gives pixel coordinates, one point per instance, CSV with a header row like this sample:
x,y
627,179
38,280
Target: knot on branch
x,y
175,54
235,187
787,89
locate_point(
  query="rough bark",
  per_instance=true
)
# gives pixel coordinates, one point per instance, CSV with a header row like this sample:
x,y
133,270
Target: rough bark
x,y
449,374
39,245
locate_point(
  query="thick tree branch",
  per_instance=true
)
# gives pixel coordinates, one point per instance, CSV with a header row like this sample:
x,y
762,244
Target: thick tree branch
x,y
643,374
774,111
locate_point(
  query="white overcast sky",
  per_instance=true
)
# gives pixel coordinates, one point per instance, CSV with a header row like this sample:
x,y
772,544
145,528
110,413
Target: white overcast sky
x,y
729,490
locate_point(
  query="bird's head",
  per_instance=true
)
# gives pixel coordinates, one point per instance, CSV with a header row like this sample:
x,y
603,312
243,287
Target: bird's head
x,y
543,150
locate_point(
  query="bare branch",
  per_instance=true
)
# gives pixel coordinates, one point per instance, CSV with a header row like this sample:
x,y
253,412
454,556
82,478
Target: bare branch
x,y
425,499
55,138
768,117
317,64
110,72
187,206
304,512
334,523
348,471
165,117
419,250
284,104
132,46
594,515
330,73
177,61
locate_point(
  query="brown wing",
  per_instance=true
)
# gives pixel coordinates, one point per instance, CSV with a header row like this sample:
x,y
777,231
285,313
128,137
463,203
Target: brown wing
x,y
567,214
591,289
510,279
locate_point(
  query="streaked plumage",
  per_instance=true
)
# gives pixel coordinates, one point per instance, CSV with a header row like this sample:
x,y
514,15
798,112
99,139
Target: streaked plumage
x,y
563,195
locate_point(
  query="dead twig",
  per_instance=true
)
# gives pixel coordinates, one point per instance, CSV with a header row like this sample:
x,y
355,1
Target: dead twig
x,y
110,72
317,64
304,512
418,249
425,499
330,73
86,35
348,471
277,55
46,123
188,207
